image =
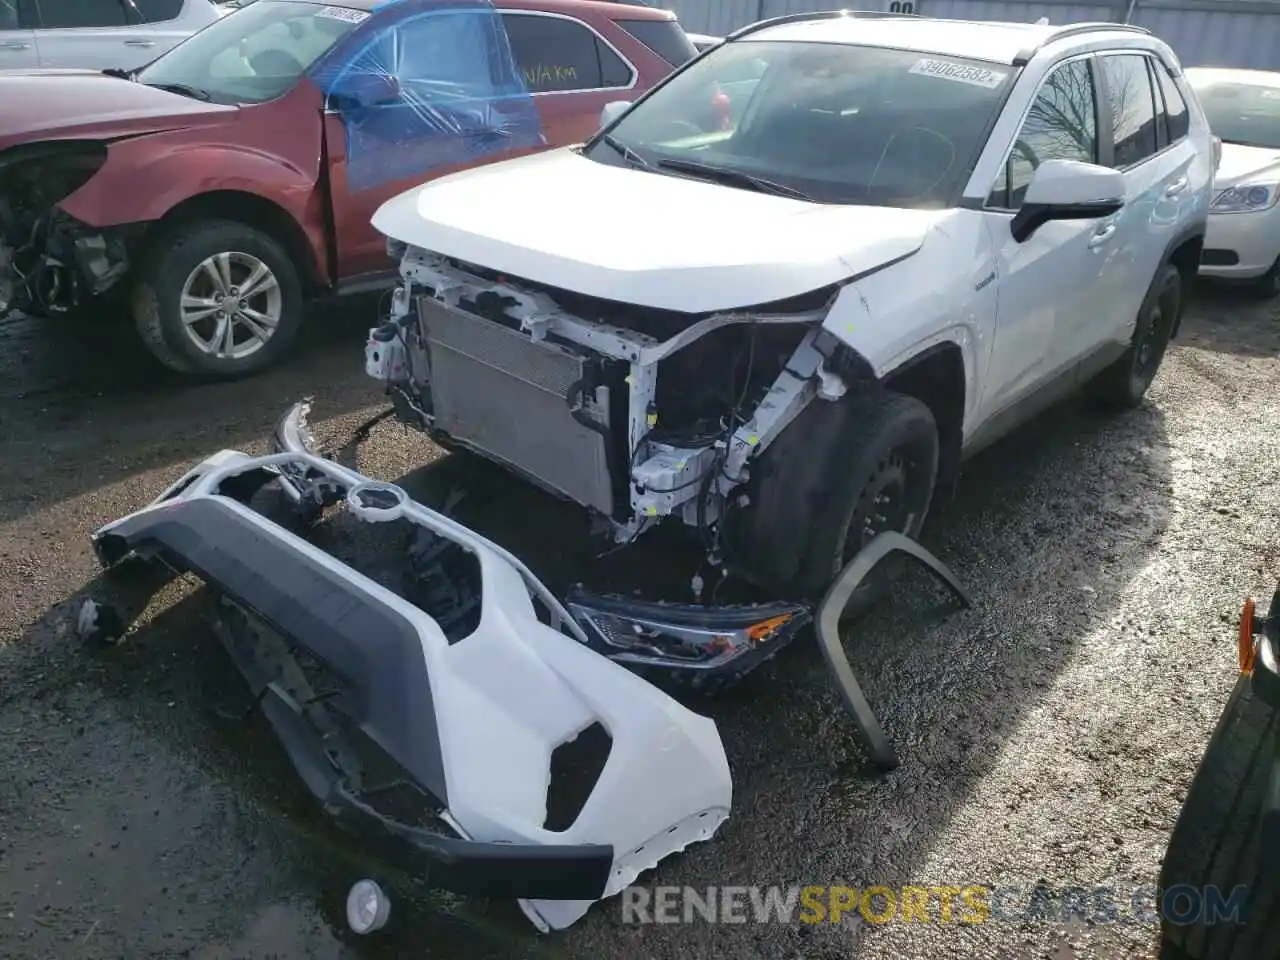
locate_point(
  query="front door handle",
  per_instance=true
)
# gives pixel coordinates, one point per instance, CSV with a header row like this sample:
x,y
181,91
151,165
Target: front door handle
x,y
1102,235
1175,188
139,43
14,45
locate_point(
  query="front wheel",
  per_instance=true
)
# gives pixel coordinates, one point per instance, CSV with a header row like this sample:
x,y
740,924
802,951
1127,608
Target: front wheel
x,y
219,299
1267,286
841,473
1123,384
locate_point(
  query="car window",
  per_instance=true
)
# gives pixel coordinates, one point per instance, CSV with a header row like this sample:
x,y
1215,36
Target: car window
x,y
8,14
1240,112
256,53
1177,119
1133,114
837,123
55,14
157,11
428,54
663,37
557,54
1062,124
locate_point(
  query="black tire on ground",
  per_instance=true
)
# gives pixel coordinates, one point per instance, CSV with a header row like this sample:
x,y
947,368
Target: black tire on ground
x,y
1216,842
158,292
818,483
1267,286
1123,384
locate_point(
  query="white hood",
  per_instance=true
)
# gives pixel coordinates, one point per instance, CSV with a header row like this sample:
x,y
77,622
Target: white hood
x,y
646,238
1241,164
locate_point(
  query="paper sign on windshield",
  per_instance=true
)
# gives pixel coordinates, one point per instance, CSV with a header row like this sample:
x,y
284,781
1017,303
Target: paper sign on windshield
x,y
343,13
959,72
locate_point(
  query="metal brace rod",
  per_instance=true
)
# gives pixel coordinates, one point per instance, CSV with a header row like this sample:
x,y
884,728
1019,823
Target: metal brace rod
x,y
828,630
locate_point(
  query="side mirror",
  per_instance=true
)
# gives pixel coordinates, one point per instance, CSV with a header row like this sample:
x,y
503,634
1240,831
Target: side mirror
x,y
1067,190
367,89
612,111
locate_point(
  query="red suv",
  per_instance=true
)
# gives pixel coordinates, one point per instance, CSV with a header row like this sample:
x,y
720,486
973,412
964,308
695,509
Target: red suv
x,y
218,187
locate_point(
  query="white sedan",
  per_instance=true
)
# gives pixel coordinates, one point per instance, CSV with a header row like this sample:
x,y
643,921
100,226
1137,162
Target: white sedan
x,y
1243,238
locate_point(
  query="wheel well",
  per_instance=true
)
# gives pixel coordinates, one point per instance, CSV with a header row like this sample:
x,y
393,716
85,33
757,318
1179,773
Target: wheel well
x,y
936,378
254,211
1187,259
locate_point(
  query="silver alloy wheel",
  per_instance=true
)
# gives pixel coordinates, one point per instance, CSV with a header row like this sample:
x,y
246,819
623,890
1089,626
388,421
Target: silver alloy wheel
x,y
231,305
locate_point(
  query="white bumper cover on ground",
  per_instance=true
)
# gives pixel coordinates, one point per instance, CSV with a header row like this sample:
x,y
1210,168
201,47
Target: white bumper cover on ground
x,y
493,705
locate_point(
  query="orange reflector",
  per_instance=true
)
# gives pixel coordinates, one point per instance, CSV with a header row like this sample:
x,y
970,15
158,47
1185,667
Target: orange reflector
x,y
765,629
1248,651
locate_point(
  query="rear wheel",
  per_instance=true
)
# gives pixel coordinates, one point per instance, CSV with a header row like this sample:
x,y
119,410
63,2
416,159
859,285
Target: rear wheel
x,y
1217,847
841,473
1124,384
218,299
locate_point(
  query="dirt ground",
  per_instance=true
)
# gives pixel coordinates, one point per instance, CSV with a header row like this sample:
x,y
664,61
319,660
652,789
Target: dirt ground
x,y
1048,735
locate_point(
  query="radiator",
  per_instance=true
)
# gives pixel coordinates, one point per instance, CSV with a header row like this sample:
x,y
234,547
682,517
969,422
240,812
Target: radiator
x,y
499,393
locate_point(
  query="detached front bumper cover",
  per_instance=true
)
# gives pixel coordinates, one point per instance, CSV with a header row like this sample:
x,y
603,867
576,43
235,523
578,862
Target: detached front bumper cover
x,y
470,722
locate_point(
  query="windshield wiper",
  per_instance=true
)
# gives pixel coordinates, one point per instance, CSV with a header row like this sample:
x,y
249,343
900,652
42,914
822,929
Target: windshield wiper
x,y
626,152
195,93
726,175
117,72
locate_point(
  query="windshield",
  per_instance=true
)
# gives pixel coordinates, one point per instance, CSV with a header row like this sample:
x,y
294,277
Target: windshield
x,y
833,123
1245,113
253,54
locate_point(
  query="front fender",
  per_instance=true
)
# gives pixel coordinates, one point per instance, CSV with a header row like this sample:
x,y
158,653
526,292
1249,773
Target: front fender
x,y
944,293
145,178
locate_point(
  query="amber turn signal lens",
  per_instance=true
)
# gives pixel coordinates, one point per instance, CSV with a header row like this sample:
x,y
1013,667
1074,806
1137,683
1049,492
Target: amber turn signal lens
x,y
1248,651
765,629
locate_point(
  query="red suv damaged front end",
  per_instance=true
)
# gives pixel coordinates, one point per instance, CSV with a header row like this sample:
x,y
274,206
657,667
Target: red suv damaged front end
x,y
212,192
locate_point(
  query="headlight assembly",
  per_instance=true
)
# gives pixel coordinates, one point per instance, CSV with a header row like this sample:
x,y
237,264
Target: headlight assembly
x,y
1247,198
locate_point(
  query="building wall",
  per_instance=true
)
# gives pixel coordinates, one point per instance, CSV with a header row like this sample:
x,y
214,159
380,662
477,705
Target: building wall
x,y
1235,33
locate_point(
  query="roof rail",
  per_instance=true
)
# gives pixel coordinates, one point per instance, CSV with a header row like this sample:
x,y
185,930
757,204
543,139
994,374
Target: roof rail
x,y
1072,29
815,15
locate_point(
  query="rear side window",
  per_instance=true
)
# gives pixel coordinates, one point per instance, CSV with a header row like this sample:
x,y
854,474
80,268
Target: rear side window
x,y
1133,112
55,14
155,11
666,38
1175,108
560,55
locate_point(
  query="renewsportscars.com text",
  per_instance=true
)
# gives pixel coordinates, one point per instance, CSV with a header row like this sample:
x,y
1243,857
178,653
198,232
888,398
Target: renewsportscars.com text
x,y
969,904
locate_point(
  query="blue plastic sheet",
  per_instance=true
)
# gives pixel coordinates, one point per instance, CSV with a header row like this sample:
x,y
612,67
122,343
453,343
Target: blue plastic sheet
x,y
425,85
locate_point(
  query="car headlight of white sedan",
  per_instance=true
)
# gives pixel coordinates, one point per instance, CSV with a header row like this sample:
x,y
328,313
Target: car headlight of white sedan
x,y
1247,198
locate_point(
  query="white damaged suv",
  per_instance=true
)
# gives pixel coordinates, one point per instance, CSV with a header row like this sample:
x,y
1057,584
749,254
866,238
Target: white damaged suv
x,y
785,322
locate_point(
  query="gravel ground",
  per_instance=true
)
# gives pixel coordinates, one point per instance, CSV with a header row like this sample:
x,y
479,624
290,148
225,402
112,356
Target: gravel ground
x,y
1048,735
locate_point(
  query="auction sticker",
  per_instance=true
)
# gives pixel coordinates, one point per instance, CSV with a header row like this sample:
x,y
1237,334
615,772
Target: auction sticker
x,y
959,72
343,13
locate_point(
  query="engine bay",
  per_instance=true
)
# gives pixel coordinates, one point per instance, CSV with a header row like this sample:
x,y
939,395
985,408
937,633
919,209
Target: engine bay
x,y
636,414
50,262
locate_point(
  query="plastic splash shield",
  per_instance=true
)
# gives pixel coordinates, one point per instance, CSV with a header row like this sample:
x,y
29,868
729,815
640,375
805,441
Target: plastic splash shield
x,y
449,91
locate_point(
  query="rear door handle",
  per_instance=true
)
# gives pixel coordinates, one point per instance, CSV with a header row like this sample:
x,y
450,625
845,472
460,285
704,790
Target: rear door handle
x,y
1175,188
14,45
139,43
1102,235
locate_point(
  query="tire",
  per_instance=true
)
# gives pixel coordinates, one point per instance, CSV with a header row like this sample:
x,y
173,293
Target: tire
x,y
1267,286
1123,384
817,483
1217,839
174,265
